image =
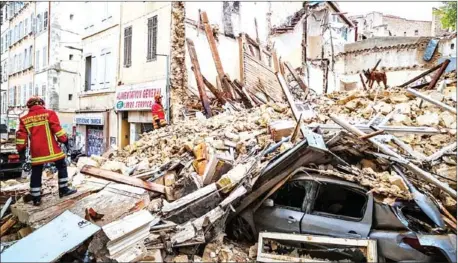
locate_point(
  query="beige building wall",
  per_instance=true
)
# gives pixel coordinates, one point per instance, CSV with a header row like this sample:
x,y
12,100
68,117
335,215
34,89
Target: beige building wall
x,y
136,15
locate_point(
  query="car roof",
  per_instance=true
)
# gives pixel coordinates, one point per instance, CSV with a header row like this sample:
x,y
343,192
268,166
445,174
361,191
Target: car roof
x,y
325,178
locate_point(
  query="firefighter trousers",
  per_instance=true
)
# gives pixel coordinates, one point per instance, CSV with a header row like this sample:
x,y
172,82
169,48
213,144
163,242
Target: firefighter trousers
x,y
37,171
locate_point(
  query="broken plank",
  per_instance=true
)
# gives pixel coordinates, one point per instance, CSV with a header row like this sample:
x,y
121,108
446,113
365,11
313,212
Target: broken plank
x,y
421,75
218,94
7,225
370,135
116,177
297,78
392,129
5,207
195,209
128,224
432,101
439,73
199,79
238,192
441,152
241,41
362,81
50,242
189,198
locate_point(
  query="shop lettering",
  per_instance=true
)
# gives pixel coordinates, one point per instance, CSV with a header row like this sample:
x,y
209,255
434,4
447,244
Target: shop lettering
x,y
89,121
138,94
138,104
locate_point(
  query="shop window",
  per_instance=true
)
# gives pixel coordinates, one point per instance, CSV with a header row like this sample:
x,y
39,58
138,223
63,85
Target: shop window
x,y
146,127
338,201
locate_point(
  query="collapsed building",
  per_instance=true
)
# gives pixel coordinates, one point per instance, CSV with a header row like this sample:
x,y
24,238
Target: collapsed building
x,y
361,175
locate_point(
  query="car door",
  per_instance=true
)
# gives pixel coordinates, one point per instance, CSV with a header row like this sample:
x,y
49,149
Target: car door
x,y
286,212
338,209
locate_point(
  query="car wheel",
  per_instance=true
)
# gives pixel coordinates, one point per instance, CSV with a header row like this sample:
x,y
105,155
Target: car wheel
x,y
239,229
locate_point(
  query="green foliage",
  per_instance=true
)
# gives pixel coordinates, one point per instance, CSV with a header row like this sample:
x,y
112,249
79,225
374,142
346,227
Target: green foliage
x,y
447,14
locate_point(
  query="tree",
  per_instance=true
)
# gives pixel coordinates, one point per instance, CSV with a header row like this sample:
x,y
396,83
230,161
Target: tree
x,y
447,14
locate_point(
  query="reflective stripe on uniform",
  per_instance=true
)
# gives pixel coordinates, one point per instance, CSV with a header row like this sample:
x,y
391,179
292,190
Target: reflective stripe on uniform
x,y
48,158
63,185
34,124
48,136
60,133
35,189
35,194
63,180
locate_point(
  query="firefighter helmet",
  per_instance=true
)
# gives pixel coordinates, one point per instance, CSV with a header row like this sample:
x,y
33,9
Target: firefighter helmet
x,y
35,100
157,97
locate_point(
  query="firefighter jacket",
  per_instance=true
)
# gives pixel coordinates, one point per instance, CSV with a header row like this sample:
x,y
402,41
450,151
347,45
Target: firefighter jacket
x,y
158,111
43,127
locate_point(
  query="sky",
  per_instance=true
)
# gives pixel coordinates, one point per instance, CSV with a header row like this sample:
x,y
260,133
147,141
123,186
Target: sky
x,y
409,10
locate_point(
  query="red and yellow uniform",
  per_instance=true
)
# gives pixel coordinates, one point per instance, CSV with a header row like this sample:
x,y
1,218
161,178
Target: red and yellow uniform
x,y
158,113
43,127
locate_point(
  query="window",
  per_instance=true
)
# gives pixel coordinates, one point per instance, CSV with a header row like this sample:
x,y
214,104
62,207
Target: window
x,y
36,91
21,30
71,16
45,20
23,95
337,200
152,39
416,32
26,61
39,23
26,25
19,62
30,56
290,195
70,57
128,47
104,69
88,74
37,60
70,96
15,99
33,24
10,37
11,96
45,58
30,94
405,33
452,46
16,36
43,93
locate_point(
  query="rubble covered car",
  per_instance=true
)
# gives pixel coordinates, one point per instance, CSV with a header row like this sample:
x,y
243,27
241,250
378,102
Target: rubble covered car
x,y
321,205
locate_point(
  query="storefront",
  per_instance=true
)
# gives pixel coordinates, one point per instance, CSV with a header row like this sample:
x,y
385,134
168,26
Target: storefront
x,y
133,105
91,132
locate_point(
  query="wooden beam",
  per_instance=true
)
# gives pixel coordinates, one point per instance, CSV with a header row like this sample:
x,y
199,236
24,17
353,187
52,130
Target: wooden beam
x,y
168,207
439,74
282,69
275,59
199,78
433,101
245,96
376,65
218,94
7,225
370,135
297,78
120,178
241,64
215,53
362,81
421,75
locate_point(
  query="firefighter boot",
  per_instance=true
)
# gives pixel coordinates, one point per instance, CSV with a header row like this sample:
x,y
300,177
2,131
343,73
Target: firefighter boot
x,y
36,200
65,191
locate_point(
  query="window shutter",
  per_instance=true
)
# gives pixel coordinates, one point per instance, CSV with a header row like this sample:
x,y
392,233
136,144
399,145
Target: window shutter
x,y
154,51
93,72
30,89
101,70
149,45
37,60
25,59
30,56
45,20
26,27
109,68
45,58
34,25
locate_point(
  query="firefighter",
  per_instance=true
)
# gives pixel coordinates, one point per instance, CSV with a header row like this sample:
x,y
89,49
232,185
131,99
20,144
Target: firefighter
x,y
43,127
158,113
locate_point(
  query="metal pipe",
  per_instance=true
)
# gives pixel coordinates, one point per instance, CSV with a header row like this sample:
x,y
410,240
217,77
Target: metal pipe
x,y
383,148
392,129
439,74
433,101
421,75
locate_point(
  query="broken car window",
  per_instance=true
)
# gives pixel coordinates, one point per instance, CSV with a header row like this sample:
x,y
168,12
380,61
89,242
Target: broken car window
x,y
333,199
292,194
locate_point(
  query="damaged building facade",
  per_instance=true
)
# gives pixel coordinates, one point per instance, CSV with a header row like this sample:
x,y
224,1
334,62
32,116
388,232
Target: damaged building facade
x,y
328,30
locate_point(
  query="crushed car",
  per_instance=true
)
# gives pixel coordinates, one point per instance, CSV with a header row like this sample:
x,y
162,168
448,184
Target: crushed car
x,y
322,205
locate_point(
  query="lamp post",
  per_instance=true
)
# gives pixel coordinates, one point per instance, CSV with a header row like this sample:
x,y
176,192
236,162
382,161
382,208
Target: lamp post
x,y
167,87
